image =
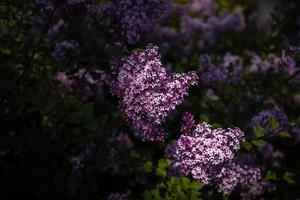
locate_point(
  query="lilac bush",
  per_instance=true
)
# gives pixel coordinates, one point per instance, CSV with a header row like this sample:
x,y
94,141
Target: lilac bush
x,y
92,92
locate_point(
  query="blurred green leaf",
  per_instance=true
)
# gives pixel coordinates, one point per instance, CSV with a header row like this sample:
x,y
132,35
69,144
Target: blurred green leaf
x,y
161,167
216,125
270,175
285,134
298,120
258,142
289,177
204,118
259,131
247,145
148,166
273,123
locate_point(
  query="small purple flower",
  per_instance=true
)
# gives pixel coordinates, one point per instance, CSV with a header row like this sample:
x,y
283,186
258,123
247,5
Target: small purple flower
x,y
134,17
188,123
68,82
62,49
54,30
228,71
275,64
125,141
248,178
272,156
263,119
117,196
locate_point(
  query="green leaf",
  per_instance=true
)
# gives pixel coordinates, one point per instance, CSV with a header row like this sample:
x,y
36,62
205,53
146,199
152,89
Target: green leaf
x,y
273,123
185,183
161,167
164,163
196,185
216,125
134,154
148,166
289,177
204,118
258,142
259,131
87,109
298,120
161,172
270,175
247,146
194,195
147,195
285,134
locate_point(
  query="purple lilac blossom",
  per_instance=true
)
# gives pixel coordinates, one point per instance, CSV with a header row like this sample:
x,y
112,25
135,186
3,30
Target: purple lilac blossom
x,y
148,93
295,131
206,7
228,71
275,64
263,118
211,24
203,153
207,155
188,123
77,162
117,196
69,82
134,17
63,48
197,18
271,156
125,141
248,178
55,29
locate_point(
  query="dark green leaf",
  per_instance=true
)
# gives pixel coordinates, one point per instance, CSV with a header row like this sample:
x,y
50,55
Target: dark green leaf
x,y
259,131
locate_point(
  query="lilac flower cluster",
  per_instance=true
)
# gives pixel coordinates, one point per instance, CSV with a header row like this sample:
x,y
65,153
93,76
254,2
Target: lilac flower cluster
x,y
77,161
206,7
228,71
62,49
125,141
200,17
134,17
207,155
117,196
69,82
271,155
203,153
263,119
188,123
233,175
148,92
56,28
211,26
275,64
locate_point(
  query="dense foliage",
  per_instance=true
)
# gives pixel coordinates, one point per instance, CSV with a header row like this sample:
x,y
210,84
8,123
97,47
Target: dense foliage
x,y
149,99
